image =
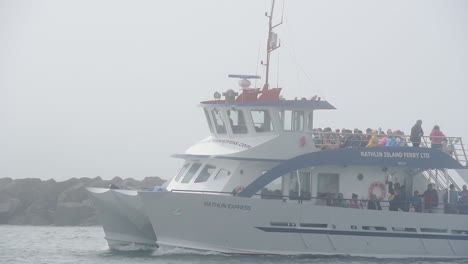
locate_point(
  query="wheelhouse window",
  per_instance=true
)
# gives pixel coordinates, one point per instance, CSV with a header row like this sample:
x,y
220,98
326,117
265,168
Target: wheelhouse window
x,y
182,171
191,172
207,115
292,120
218,121
205,173
261,120
237,121
222,173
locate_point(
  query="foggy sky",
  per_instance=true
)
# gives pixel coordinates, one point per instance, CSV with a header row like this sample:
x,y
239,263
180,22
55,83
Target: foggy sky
x,y
111,88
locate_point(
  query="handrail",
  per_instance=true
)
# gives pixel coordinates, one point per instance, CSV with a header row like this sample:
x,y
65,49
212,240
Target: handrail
x,y
392,205
332,140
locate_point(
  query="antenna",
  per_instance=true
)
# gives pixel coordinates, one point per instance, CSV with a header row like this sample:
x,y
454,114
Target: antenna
x,y
272,43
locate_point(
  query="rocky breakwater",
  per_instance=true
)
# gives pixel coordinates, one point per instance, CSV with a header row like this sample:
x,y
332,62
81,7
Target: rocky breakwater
x,y
36,202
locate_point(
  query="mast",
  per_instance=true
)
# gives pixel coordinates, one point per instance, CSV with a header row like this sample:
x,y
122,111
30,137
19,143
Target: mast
x,y
271,43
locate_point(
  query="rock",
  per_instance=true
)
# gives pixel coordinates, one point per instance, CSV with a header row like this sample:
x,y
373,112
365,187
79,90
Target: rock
x,y
8,209
25,190
151,181
4,182
74,194
36,202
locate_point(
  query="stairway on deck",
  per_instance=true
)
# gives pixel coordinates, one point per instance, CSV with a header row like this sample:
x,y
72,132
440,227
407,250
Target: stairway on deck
x,y
441,178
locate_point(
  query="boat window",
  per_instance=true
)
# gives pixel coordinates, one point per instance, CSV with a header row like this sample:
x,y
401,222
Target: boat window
x,y
261,120
313,225
377,228
273,190
191,172
404,229
182,171
237,121
327,184
218,122
282,224
222,173
205,173
434,230
460,232
292,120
207,115
299,185
310,121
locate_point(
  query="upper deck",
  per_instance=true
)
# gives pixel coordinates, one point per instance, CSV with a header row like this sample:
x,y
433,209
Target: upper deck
x,y
256,113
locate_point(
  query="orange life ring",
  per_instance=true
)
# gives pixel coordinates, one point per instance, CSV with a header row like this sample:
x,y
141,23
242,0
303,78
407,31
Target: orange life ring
x,y
381,186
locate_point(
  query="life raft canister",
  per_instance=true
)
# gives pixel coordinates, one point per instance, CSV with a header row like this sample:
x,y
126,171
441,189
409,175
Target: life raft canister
x,y
380,186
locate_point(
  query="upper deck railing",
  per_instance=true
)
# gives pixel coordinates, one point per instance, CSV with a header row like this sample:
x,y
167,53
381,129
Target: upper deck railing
x,y
332,140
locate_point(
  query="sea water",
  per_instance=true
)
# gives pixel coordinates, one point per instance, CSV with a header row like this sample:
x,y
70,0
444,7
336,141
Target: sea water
x,y
85,245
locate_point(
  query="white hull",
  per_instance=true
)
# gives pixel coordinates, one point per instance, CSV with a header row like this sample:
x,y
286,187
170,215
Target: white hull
x,y
124,222
255,226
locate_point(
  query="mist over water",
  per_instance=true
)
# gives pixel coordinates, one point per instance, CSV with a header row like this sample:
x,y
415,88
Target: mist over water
x,y
86,245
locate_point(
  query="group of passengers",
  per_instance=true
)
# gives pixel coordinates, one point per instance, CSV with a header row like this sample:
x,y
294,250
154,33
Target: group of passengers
x,y
327,139
437,137
454,202
372,204
346,138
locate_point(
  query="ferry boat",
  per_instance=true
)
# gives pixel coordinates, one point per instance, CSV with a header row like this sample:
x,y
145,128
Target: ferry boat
x,y
267,181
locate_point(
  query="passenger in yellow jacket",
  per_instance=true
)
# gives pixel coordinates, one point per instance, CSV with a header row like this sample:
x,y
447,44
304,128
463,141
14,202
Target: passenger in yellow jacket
x,y
374,140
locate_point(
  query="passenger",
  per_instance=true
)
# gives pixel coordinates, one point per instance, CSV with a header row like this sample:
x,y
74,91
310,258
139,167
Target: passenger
x,y
373,203
448,147
317,133
416,133
392,199
340,201
416,202
351,138
393,189
463,202
367,137
400,139
402,201
464,191
382,139
345,137
452,150
331,140
331,199
431,199
354,202
356,138
397,199
374,140
437,137
450,200
340,135
391,141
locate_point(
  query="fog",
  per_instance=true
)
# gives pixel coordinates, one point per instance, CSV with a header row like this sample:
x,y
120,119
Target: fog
x,y
111,88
